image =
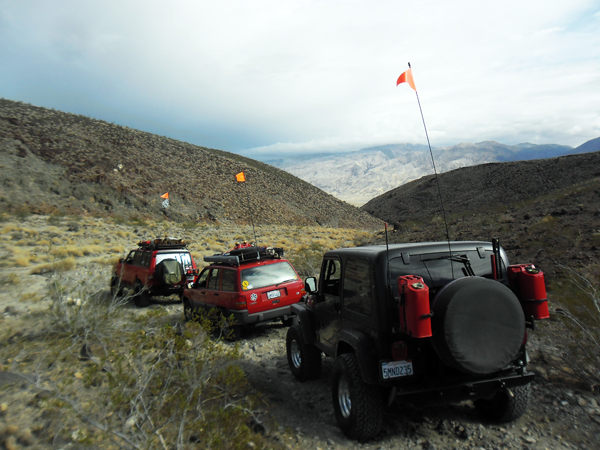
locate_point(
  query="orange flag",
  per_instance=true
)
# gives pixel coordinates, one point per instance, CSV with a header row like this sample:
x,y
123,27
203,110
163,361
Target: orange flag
x,y
240,177
407,77
166,195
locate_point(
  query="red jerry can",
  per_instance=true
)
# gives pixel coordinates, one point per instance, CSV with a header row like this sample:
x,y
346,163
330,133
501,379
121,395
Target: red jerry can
x,y
415,314
527,282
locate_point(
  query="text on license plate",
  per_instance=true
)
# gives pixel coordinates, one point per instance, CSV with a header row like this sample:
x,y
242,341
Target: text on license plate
x,y
273,294
396,369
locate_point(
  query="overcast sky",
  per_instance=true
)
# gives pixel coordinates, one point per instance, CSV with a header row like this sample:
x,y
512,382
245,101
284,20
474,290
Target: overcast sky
x,y
287,76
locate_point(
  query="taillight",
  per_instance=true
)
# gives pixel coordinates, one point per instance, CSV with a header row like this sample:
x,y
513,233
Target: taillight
x,y
525,338
240,302
399,351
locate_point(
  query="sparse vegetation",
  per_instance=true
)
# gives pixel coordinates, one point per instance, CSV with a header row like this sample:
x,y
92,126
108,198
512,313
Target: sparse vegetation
x,y
118,380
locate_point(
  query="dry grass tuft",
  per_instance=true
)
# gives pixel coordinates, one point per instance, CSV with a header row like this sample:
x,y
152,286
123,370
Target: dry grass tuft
x,y
62,265
10,278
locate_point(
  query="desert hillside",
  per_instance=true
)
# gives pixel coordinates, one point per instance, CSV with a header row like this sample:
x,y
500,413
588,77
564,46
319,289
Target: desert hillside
x,y
52,161
545,212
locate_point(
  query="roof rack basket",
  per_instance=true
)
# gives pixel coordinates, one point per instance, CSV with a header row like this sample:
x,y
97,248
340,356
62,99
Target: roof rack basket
x,y
162,244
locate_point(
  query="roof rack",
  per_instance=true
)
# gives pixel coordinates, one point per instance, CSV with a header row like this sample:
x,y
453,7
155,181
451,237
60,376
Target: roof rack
x,y
162,244
245,254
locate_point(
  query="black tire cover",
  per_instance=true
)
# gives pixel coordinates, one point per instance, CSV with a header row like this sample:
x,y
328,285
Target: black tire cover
x,y
478,325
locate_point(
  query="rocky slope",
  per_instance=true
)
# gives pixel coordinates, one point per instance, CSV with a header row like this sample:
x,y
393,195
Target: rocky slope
x,y
54,161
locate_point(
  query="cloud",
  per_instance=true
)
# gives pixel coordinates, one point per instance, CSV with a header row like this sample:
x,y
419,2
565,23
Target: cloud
x,y
308,76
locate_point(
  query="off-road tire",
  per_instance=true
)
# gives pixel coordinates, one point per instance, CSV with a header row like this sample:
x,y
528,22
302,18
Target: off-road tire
x,y
358,406
304,359
141,298
116,290
503,407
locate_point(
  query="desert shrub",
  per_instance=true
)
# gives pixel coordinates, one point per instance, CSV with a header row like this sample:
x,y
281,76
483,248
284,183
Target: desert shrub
x,y
54,218
307,260
137,221
579,312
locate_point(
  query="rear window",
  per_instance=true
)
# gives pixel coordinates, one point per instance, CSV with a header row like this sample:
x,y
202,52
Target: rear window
x,y
268,275
437,270
183,257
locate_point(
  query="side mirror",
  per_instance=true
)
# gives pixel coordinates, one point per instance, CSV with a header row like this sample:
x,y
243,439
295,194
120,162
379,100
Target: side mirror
x,y
120,260
310,285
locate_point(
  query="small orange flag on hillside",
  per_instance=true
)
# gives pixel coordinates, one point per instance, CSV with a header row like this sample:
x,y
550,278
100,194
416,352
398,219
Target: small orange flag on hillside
x,y
240,177
165,195
407,77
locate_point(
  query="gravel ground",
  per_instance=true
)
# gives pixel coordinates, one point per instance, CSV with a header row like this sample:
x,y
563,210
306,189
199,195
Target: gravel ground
x,y
561,415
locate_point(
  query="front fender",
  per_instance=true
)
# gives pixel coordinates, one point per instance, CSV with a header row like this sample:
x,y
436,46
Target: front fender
x,y
307,322
359,343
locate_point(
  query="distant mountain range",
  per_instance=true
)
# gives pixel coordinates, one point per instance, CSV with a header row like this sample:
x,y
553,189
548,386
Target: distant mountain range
x,y
357,177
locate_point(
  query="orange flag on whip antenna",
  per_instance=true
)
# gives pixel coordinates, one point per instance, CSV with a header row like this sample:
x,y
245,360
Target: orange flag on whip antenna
x,y
166,195
240,177
407,77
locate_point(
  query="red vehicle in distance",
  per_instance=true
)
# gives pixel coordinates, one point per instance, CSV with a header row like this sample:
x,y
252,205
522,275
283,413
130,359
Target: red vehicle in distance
x,y
252,284
160,267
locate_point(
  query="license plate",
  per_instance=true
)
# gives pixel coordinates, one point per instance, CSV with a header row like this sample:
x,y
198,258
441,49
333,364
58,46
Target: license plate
x,y
395,369
273,294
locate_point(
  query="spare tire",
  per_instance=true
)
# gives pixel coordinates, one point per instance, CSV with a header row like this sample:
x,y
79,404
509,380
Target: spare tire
x,y
478,325
169,271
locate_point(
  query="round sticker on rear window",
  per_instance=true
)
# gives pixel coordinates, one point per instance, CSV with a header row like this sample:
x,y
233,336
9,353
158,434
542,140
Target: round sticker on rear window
x,y
253,297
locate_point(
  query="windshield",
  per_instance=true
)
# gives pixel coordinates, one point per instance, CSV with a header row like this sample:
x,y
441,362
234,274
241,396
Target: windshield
x,y
184,258
268,275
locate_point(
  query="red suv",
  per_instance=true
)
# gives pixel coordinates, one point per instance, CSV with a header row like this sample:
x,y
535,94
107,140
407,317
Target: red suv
x,y
252,284
160,267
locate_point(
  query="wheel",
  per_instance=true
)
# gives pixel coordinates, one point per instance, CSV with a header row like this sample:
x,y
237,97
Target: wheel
x,y
141,298
116,290
188,311
358,406
504,407
304,359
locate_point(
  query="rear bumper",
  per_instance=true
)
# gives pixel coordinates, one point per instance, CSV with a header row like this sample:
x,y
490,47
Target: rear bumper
x,y
469,390
166,290
245,318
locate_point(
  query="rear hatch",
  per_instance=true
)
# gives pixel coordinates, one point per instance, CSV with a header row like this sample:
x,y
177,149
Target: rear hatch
x,y
270,284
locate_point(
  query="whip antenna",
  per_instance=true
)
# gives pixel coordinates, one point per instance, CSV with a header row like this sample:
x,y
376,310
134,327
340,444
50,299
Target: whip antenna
x,y
407,77
241,178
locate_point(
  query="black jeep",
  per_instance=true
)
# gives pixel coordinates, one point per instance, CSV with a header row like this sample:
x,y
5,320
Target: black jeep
x,y
421,323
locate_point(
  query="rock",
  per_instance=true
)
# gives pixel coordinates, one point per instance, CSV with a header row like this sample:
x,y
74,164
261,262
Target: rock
x,y
541,372
581,402
26,437
10,443
9,430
